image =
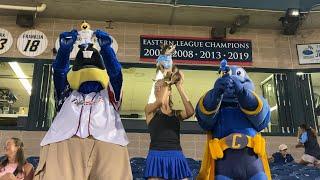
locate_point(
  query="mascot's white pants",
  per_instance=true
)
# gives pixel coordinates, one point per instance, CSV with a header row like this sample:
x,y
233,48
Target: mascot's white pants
x,y
83,159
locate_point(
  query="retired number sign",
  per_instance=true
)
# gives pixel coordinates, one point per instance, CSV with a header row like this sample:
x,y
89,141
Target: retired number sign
x,y
32,43
5,40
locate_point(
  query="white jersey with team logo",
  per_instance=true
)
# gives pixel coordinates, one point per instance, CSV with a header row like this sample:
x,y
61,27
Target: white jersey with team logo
x,y
83,115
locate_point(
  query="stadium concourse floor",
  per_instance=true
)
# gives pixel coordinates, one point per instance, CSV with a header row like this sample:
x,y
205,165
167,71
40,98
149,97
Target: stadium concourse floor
x,y
279,172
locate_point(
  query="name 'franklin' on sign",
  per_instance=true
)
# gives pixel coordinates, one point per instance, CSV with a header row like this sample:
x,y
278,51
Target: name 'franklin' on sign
x,y
198,50
32,43
33,36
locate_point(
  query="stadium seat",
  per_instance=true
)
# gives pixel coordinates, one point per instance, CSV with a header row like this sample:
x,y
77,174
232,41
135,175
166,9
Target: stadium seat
x,y
289,171
34,160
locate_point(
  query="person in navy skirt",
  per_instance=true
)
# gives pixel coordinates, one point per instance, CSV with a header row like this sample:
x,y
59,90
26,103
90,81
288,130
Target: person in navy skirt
x,y
165,159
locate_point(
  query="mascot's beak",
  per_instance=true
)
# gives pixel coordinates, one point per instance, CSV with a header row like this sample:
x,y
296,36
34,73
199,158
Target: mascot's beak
x,y
88,66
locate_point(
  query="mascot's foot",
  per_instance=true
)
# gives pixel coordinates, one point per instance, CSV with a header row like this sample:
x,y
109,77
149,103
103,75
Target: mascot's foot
x,y
258,176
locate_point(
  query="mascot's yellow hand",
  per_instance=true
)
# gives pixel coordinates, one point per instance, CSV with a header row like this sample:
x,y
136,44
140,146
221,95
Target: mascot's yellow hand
x,y
215,149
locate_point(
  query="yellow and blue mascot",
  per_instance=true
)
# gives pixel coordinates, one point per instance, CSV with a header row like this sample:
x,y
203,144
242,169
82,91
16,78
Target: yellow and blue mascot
x,y
233,114
86,139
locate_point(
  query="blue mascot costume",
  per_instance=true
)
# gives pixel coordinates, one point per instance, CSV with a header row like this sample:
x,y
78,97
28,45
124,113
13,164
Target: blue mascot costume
x,y
233,114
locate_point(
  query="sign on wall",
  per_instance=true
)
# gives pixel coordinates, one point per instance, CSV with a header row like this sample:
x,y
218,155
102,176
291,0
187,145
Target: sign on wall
x,y
198,50
75,49
32,43
5,40
308,53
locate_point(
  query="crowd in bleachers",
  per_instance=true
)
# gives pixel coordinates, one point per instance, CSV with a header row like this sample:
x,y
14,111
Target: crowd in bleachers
x,y
282,165
14,166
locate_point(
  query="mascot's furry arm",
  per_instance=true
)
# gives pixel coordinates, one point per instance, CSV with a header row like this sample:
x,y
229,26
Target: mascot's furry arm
x,y
208,106
62,62
256,108
111,62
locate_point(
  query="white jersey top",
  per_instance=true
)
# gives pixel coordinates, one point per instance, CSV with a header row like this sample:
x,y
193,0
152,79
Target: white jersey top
x,y
91,114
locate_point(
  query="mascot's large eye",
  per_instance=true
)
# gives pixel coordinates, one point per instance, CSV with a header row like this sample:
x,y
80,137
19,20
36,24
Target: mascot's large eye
x,y
240,72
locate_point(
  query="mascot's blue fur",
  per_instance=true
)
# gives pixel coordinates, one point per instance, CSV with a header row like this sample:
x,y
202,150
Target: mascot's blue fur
x,y
233,115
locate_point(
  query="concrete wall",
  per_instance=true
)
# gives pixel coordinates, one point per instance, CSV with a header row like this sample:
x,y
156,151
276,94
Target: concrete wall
x,y
270,48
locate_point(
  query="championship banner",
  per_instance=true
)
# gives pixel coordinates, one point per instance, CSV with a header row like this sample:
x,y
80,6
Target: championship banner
x,y
308,53
198,50
5,40
32,43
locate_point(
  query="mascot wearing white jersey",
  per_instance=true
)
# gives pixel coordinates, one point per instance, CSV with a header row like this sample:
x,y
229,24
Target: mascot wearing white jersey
x,y
86,139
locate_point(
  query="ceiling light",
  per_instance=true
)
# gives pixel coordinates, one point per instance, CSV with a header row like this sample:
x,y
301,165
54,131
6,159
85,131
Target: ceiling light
x,y
291,21
22,77
293,12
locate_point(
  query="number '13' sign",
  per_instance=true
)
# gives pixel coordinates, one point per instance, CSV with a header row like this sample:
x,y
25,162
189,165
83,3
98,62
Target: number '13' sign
x,y
5,40
32,43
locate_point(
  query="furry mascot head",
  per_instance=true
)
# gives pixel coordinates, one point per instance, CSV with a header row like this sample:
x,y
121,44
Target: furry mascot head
x,y
88,67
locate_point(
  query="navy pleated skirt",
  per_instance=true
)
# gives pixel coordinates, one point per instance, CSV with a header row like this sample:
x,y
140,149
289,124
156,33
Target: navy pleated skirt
x,y
167,165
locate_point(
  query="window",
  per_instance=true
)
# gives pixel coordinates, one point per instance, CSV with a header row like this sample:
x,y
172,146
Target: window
x,y
138,82
137,88
27,95
316,95
268,89
15,92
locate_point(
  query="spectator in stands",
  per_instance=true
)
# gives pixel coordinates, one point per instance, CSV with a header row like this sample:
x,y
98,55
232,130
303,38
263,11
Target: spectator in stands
x,y
14,166
307,138
281,157
165,158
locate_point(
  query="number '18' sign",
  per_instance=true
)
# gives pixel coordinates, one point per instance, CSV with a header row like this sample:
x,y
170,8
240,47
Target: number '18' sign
x,y
32,43
5,40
